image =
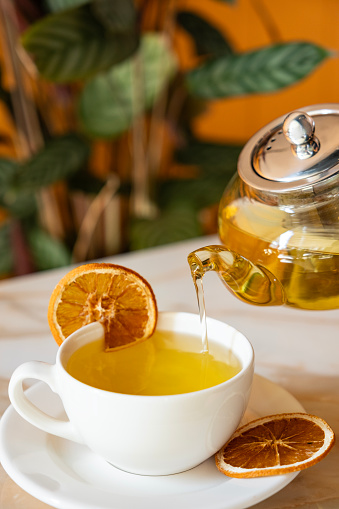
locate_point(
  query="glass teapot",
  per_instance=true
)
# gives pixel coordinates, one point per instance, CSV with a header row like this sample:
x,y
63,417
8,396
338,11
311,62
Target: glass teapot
x,y
279,215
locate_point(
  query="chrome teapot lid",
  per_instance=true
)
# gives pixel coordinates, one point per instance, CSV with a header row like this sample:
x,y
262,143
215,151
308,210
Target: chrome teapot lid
x,y
295,151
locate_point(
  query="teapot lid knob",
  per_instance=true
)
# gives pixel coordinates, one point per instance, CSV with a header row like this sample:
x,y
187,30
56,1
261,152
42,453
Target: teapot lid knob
x,y
296,151
298,128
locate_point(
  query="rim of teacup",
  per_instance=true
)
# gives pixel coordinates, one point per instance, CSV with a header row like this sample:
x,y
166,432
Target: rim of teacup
x,y
91,332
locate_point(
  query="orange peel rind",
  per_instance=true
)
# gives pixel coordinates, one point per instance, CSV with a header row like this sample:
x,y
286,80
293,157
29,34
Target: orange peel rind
x,y
274,445
118,297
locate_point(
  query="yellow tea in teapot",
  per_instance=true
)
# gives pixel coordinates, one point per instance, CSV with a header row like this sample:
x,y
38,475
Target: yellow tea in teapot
x,y
305,261
167,363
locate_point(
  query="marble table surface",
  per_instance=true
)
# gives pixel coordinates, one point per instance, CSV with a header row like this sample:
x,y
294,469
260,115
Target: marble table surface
x,y
298,350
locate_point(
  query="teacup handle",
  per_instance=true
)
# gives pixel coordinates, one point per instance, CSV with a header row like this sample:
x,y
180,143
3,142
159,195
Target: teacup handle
x,y
31,413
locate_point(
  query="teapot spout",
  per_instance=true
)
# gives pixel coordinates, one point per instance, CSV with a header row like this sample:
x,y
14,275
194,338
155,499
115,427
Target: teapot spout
x,y
250,283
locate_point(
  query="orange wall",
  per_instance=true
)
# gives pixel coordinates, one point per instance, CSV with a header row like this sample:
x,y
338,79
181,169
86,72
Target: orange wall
x,y
316,21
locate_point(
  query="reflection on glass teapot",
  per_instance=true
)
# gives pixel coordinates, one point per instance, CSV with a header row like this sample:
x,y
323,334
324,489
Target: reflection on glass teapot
x,y
279,216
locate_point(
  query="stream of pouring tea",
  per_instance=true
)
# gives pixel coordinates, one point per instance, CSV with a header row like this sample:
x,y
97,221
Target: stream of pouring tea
x,y
204,339
206,354
202,310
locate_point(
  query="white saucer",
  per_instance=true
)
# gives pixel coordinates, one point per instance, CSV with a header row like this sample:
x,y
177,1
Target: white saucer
x,y
66,475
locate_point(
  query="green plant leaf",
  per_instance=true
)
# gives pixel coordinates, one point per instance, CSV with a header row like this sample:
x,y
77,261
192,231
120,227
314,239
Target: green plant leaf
x,y
264,70
73,45
177,223
216,164
19,204
207,39
63,5
200,192
116,16
6,258
211,158
8,170
59,159
109,102
47,253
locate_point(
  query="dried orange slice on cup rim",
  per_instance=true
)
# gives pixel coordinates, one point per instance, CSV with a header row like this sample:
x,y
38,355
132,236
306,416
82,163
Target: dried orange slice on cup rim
x,y
118,297
276,444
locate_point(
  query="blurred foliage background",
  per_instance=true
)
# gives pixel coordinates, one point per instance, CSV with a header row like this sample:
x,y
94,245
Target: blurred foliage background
x,y
122,121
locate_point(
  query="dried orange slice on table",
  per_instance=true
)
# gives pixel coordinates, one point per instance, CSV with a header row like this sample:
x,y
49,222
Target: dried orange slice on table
x,y
119,298
277,444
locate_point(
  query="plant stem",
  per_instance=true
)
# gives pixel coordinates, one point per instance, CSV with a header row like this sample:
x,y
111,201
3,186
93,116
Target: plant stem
x,y
30,138
157,127
141,203
91,219
267,20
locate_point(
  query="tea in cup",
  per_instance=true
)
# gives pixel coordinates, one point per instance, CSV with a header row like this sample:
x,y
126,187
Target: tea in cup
x,y
160,407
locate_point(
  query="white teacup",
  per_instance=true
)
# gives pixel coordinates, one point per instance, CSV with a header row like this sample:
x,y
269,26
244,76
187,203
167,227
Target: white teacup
x,y
150,435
